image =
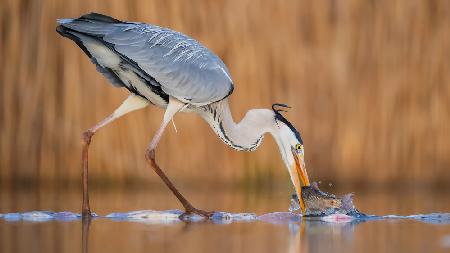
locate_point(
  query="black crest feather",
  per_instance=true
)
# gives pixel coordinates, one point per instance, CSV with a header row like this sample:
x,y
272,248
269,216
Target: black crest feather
x,y
277,110
279,117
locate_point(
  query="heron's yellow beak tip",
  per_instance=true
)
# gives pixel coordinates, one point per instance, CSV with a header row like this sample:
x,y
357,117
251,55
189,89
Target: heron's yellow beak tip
x,y
302,177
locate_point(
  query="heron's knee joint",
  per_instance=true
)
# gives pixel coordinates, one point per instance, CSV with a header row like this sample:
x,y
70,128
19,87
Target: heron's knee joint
x,y
87,136
150,154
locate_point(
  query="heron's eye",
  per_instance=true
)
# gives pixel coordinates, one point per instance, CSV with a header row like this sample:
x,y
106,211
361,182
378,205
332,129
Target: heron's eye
x,y
298,147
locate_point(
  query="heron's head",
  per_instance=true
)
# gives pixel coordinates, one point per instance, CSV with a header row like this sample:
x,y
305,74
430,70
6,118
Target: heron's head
x,y
291,148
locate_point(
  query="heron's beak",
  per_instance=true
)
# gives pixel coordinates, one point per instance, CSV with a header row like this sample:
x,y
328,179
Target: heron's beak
x,y
299,170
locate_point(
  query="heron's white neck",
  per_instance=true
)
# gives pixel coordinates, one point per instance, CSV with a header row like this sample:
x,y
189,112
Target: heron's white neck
x,y
245,135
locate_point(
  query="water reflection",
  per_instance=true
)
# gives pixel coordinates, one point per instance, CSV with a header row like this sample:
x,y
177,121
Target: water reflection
x,y
304,236
85,225
320,236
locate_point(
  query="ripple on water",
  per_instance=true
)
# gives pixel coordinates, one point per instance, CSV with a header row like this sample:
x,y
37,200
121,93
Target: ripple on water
x,y
173,216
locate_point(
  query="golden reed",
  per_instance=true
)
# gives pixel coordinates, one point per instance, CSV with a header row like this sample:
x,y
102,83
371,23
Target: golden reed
x,y
369,83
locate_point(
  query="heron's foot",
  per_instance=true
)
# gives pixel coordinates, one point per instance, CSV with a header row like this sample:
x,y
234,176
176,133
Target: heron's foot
x,y
192,210
87,136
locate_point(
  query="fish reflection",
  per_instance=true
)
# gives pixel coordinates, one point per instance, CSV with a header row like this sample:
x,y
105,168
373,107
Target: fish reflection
x,y
320,236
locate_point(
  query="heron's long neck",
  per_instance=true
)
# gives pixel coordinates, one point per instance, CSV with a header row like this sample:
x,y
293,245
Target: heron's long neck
x,y
245,135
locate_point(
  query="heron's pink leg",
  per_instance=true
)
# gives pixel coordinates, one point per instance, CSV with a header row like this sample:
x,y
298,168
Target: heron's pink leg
x,y
130,104
86,138
173,107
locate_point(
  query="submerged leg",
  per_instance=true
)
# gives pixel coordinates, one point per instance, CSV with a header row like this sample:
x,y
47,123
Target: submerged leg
x,y
173,107
132,103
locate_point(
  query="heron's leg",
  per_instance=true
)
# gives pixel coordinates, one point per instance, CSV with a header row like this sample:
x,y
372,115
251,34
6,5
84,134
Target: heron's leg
x,y
173,107
132,103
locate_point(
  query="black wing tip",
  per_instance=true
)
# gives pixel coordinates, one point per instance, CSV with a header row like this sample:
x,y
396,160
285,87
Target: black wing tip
x,y
61,30
65,32
93,16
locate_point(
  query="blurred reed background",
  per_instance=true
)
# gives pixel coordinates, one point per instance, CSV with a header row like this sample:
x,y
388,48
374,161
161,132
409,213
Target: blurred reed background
x,y
369,83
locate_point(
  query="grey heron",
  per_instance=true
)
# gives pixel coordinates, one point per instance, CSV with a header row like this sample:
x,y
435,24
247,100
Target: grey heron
x,y
171,70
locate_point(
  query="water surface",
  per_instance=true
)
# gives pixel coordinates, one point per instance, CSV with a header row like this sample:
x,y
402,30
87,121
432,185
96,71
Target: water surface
x,y
106,235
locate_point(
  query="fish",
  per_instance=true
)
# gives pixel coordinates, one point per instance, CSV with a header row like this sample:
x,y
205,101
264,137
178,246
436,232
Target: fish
x,y
320,204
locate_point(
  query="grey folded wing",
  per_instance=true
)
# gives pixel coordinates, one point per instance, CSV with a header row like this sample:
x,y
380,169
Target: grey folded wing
x,y
182,66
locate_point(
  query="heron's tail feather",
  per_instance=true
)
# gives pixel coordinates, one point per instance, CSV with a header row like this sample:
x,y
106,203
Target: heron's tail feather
x,y
65,32
92,24
99,17
90,17
87,32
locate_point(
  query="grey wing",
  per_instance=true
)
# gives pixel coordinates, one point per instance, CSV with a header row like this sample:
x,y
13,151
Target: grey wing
x,y
182,66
